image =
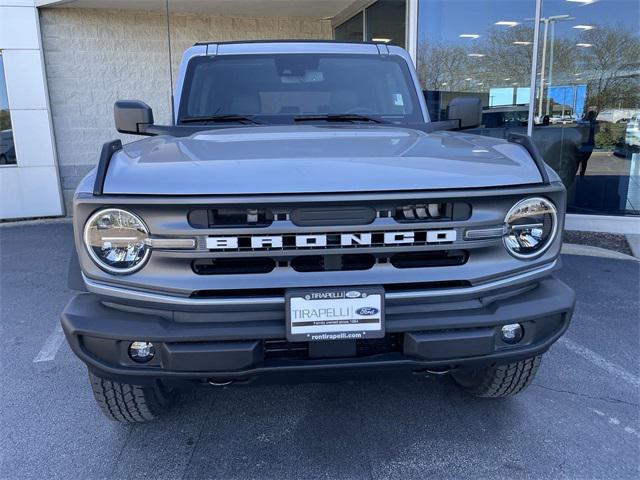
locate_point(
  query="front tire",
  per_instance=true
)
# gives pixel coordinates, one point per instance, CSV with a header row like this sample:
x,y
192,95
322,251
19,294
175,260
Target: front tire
x,y
126,403
499,380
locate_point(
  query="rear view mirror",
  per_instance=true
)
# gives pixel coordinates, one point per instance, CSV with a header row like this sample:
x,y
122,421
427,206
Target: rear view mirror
x,y
467,110
132,116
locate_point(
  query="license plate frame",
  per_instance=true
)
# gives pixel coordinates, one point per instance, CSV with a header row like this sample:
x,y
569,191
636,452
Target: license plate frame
x,y
335,313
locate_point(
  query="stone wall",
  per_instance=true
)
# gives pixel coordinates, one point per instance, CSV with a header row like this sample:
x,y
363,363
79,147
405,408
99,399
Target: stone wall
x,y
95,57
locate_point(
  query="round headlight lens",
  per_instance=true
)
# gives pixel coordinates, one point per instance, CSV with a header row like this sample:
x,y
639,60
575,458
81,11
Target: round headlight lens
x,y
115,240
531,227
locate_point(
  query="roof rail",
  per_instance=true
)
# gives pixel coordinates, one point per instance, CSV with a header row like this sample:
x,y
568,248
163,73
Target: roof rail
x,y
291,40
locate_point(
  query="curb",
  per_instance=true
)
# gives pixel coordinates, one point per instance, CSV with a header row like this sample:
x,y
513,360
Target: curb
x,y
633,239
588,251
36,221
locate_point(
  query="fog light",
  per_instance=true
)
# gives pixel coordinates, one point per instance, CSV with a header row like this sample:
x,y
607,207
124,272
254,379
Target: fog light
x,y
512,333
141,352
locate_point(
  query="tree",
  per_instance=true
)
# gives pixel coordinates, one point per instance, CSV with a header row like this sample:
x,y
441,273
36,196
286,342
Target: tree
x,y
612,67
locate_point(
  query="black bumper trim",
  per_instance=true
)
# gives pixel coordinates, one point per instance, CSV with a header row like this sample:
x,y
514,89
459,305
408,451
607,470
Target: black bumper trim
x,y
99,337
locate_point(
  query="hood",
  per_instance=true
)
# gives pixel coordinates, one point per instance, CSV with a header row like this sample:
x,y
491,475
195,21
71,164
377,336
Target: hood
x,y
315,159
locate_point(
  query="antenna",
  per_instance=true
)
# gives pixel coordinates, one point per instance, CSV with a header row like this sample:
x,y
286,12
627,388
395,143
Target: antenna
x,y
170,63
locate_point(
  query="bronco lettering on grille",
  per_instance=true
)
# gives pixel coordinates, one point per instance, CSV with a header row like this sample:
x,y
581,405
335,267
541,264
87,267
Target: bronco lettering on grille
x,y
336,240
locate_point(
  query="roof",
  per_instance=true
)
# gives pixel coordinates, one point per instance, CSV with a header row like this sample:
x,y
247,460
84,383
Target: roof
x,y
298,46
292,40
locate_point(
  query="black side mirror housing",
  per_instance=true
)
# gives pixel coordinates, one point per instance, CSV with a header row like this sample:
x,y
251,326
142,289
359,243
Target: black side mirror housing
x,y
132,116
466,110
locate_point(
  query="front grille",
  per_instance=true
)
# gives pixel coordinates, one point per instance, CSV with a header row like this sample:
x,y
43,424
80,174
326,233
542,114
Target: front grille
x,y
291,241
332,263
327,216
444,258
336,216
230,217
318,240
433,211
282,349
327,263
307,237
233,266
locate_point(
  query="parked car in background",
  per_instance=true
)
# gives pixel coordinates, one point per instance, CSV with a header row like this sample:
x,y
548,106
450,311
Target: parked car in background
x,y
7,148
632,132
616,115
561,120
509,116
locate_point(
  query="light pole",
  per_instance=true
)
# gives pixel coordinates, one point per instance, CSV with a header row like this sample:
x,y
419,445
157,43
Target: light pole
x,y
548,21
544,58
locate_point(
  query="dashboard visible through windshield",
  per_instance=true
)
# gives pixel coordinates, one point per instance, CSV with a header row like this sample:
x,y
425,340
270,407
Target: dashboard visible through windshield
x,y
284,88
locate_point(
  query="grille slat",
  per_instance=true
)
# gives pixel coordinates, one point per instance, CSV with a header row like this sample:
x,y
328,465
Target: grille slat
x,y
327,215
327,263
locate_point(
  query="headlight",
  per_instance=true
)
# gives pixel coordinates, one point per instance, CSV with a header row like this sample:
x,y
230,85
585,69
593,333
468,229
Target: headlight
x,y
531,226
115,240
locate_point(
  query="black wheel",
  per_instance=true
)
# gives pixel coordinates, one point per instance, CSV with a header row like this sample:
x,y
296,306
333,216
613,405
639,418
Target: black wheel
x,y
499,380
126,403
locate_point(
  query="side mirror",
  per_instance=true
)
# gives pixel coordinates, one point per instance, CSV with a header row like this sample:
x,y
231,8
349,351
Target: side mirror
x,y
467,110
132,116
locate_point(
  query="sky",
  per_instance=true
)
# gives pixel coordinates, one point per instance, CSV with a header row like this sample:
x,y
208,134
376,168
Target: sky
x,y
445,20
4,103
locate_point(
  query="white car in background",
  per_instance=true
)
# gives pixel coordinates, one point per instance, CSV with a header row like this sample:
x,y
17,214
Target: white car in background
x,y
561,120
632,133
617,115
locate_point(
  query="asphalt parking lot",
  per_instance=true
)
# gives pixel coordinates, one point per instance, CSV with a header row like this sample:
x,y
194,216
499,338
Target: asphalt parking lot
x,y
580,419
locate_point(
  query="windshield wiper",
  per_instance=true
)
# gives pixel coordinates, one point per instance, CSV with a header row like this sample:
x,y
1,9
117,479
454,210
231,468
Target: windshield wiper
x,y
220,118
337,117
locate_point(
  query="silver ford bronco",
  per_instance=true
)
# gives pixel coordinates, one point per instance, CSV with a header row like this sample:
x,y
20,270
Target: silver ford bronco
x,y
302,217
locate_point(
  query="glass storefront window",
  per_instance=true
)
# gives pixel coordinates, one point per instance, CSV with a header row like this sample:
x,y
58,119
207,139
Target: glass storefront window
x,y
352,30
587,106
7,148
386,22
477,48
383,21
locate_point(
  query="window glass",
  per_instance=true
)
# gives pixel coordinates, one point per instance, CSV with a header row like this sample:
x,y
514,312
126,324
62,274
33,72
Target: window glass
x,y
7,148
480,48
587,106
352,30
276,88
386,22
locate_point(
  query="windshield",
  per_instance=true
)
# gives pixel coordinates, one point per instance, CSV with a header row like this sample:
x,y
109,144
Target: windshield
x,y
282,88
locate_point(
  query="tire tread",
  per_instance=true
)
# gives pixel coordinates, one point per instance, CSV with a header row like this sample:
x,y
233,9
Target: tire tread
x,y
504,380
122,402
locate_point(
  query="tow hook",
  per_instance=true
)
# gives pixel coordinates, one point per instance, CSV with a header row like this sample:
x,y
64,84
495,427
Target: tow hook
x,y
225,383
427,371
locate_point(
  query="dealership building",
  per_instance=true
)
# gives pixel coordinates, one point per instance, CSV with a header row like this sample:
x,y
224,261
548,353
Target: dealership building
x,y
566,72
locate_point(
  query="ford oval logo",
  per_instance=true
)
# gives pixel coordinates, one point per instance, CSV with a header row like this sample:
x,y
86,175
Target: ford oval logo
x,y
367,311
352,294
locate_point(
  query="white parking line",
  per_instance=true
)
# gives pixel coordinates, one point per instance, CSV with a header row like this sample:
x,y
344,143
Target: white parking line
x,y
601,362
51,345
616,422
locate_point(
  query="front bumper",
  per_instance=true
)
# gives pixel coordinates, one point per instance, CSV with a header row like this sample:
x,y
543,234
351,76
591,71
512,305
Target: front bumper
x,y
223,346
